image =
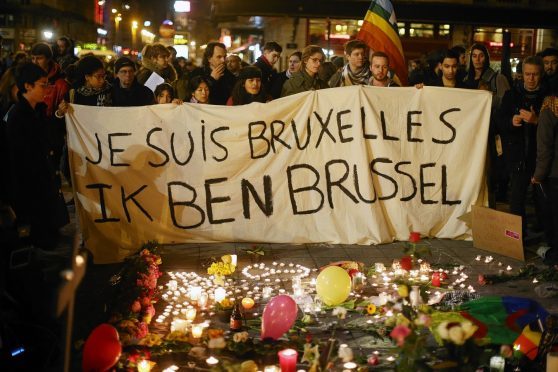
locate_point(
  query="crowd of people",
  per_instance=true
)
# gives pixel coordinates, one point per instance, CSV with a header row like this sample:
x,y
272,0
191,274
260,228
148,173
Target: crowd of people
x,y
36,91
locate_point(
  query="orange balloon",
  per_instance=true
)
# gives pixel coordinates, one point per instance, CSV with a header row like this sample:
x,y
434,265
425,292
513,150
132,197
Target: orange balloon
x,y
247,303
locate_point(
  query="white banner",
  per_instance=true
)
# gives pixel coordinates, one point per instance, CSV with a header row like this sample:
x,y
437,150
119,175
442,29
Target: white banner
x,y
353,165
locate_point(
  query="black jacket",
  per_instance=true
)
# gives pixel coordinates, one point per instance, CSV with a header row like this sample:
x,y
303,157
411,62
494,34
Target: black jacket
x,y
219,90
34,188
519,143
136,95
268,74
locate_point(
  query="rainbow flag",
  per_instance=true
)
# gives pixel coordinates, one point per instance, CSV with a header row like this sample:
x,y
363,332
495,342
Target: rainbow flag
x,y
379,31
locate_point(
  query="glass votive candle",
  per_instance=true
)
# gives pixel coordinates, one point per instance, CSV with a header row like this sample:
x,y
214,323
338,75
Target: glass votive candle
x,y
287,360
197,330
191,314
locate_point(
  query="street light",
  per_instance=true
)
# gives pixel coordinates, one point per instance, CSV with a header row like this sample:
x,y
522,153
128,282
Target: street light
x,y
47,34
134,36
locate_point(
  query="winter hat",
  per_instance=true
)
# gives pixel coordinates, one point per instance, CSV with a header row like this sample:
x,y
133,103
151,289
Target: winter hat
x,y
123,62
42,49
250,72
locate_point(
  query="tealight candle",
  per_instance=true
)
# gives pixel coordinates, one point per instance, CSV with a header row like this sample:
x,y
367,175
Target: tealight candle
x,y
220,294
195,293
203,300
144,366
234,259
197,330
191,314
180,325
287,360
172,285
211,361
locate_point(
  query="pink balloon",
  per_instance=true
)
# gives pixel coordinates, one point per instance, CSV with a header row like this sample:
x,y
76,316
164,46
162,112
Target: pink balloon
x,y
278,316
102,349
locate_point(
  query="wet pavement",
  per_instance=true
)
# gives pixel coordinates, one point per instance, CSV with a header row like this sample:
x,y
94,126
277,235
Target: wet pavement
x,y
91,295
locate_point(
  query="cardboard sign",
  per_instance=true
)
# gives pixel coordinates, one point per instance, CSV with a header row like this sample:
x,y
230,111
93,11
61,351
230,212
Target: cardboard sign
x,y
498,232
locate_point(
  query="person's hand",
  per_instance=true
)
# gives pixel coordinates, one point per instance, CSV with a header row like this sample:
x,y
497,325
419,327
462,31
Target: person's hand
x,y
218,72
517,121
534,181
419,85
529,116
62,109
177,101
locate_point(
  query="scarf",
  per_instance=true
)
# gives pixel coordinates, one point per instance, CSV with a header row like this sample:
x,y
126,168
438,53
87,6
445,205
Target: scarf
x,y
551,103
361,76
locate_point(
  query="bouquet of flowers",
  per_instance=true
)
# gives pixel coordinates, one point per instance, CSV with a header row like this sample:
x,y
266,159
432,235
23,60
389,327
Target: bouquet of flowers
x,y
221,269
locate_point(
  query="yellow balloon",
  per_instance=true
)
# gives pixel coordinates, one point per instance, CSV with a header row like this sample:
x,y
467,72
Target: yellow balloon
x,y
333,285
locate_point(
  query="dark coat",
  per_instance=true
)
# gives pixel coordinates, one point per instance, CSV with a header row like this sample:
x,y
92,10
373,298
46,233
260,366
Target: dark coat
x,y
136,95
519,143
547,141
277,85
219,90
34,188
268,74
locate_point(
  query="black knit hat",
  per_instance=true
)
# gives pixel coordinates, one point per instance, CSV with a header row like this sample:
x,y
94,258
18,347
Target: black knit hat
x,y
123,62
250,72
42,49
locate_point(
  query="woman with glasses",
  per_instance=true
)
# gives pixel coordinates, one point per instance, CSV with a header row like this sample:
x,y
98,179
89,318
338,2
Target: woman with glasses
x,y
91,88
307,78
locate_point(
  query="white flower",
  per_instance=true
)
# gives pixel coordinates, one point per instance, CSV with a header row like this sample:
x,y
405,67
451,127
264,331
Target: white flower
x,y
216,343
340,312
240,337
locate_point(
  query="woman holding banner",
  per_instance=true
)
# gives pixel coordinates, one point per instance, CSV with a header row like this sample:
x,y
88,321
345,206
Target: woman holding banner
x,y
307,78
248,87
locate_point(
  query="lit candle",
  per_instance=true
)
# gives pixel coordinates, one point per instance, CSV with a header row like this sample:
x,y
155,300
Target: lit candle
x,y
234,259
191,313
270,369
247,303
180,325
195,293
498,363
379,267
172,285
287,360
144,366
211,361
220,294
203,300
197,330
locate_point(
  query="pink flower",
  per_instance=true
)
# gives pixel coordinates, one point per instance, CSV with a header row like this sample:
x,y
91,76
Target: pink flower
x,y
149,310
400,333
482,279
145,301
142,330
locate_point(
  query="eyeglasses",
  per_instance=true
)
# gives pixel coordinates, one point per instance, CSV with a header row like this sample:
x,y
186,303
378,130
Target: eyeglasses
x,y
316,60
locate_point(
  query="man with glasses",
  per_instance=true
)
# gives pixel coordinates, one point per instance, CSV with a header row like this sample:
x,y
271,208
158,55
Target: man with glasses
x,y
126,91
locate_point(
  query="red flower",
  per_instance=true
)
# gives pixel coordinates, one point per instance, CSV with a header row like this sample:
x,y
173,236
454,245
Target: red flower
x,y
414,237
406,263
400,333
482,279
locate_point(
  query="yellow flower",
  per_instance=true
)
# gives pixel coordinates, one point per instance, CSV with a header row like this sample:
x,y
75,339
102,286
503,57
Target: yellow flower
x,y
151,339
403,290
371,309
226,258
248,366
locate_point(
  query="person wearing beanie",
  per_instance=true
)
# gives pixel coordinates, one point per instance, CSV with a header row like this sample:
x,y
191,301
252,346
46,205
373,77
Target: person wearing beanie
x,y
248,88
126,91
